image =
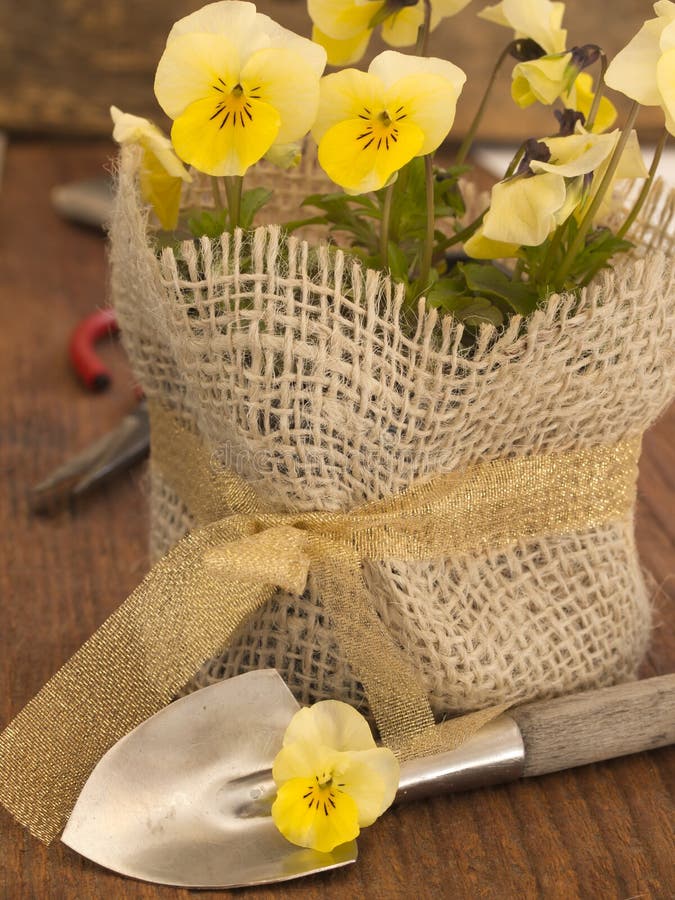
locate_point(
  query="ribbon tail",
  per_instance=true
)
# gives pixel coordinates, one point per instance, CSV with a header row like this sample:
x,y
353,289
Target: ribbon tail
x,y
397,701
130,668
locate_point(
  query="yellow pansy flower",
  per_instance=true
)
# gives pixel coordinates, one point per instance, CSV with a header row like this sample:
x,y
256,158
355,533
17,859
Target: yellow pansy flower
x,y
524,210
344,27
542,80
161,174
370,124
236,85
581,97
645,69
539,20
332,779
576,154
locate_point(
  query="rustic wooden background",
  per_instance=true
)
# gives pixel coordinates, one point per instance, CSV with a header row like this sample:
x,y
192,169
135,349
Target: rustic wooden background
x,y
62,64
603,832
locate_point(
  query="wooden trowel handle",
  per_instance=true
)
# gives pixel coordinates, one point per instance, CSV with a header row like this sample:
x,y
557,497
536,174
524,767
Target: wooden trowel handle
x,y
589,727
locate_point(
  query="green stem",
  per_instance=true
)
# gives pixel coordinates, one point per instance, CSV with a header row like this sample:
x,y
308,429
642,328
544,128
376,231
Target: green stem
x,y
467,143
514,162
384,225
587,221
429,238
459,237
233,186
551,253
217,196
599,91
422,48
639,203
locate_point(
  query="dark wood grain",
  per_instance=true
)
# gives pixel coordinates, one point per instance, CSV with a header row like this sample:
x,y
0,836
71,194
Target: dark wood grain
x,y
603,832
62,71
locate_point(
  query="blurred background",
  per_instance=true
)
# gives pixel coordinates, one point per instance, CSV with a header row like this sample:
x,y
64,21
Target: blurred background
x,y
63,63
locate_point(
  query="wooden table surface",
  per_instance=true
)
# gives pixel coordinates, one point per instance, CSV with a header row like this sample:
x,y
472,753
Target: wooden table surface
x,y
601,832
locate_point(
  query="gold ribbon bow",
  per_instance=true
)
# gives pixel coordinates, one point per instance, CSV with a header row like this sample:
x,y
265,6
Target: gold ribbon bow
x,y
192,601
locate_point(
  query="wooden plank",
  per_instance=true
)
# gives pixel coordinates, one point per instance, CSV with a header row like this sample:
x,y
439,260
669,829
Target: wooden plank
x,y
603,831
62,71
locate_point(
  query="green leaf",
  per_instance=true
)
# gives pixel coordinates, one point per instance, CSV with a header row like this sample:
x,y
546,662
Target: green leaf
x,y
208,223
449,295
487,279
251,202
398,262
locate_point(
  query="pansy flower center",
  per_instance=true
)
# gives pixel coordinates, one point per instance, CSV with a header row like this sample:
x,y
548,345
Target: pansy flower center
x,y
233,106
322,794
380,128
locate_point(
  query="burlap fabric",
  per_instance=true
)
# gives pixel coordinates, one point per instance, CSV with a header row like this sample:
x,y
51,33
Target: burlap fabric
x,y
299,371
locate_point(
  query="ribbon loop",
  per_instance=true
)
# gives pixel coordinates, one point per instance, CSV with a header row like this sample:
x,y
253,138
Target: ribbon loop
x,y
276,555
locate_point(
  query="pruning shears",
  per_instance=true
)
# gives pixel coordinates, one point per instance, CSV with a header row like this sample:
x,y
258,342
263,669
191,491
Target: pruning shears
x,y
116,451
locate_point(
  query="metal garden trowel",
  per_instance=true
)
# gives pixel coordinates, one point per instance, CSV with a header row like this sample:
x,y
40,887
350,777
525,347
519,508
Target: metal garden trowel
x,y
185,798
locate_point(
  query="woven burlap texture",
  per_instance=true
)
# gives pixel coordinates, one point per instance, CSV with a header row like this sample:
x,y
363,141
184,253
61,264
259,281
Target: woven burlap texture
x,y
292,365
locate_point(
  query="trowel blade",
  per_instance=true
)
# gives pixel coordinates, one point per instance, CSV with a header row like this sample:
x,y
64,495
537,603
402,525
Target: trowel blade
x,y
185,798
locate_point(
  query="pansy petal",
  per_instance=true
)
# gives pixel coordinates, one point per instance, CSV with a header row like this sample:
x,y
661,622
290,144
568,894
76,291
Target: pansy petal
x,y
189,68
667,39
539,20
331,723
137,130
283,79
391,66
345,95
342,52
235,18
304,757
430,102
633,69
342,19
632,163
402,28
360,163
574,196
320,822
427,88
161,190
581,98
665,9
576,154
480,247
247,29
545,78
495,14
218,146
665,76
285,156
522,210
371,778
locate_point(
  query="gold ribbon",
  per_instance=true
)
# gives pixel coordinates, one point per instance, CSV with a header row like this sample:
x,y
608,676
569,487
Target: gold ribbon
x,y
191,602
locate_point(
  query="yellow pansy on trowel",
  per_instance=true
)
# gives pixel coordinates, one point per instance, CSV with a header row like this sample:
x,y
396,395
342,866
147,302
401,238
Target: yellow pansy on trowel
x,y
185,799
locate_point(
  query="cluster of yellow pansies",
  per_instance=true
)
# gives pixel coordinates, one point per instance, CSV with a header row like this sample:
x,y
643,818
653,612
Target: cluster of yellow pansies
x,y
239,87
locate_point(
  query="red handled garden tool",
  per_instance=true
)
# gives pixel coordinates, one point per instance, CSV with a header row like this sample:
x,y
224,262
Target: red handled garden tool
x,y
116,451
185,798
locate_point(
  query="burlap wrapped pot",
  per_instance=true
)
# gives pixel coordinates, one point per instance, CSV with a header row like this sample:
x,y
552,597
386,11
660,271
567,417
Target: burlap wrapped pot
x,y
293,367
